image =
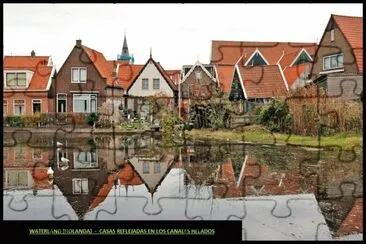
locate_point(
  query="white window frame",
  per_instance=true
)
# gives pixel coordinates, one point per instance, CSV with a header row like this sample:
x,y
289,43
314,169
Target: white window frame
x,y
330,61
29,178
7,107
76,155
15,72
156,79
40,102
14,108
62,99
89,102
332,35
37,158
81,181
142,84
79,81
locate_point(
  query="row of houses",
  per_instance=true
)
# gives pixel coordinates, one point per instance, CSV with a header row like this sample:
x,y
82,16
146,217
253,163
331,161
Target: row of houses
x,y
249,72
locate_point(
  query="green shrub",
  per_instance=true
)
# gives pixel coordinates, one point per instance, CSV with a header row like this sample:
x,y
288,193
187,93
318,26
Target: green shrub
x,y
91,119
275,116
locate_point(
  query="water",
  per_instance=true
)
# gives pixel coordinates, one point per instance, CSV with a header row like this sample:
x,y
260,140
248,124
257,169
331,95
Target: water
x,y
138,177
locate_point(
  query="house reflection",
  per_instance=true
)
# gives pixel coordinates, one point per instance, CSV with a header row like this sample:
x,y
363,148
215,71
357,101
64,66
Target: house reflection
x,y
26,168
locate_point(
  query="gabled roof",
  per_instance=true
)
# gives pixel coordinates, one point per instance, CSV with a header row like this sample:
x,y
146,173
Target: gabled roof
x,y
161,71
352,29
42,73
262,81
127,73
228,52
225,76
101,64
294,72
174,75
192,69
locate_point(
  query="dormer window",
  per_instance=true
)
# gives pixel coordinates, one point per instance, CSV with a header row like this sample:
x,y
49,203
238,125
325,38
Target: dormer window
x,y
78,75
256,59
332,35
16,80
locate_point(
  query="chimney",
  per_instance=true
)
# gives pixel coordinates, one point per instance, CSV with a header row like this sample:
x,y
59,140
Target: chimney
x,y
78,43
33,54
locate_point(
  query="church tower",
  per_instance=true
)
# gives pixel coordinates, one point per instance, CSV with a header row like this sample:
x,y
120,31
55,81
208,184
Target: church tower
x,y
125,55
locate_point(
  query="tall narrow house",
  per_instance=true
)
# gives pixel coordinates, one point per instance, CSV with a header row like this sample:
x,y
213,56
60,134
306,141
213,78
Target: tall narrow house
x,y
338,62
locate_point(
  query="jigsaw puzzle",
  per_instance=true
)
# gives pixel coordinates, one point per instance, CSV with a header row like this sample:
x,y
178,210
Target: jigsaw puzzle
x,y
279,191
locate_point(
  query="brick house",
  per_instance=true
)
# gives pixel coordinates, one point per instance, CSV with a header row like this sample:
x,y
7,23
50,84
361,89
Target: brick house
x,y
338,60
28,84
195,86
85,81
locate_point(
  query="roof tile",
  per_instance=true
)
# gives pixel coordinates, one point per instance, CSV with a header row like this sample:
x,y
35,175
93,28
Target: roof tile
x,y
262,81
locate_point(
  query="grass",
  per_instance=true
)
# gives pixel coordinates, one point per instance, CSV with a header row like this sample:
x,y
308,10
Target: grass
x,y
260,135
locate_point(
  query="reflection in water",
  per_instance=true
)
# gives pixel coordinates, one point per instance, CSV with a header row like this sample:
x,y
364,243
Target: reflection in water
x,y
91,173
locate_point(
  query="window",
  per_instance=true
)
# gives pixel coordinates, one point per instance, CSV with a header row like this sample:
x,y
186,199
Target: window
x,y
156,167
146,167
333,61
36,106
332,35
61,103
18,178
145,84
78,75
16,80
80,186
19,107
5,107
257,60
85,160
19,153
303,58
85,103
37,154
156,84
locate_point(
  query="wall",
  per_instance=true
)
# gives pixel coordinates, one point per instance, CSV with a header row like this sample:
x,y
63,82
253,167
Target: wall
x,y
150,72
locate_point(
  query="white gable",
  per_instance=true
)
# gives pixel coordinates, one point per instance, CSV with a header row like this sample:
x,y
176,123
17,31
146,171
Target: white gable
x,y
150,72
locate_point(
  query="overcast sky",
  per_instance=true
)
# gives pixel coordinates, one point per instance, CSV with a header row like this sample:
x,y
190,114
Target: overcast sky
x,y
177,33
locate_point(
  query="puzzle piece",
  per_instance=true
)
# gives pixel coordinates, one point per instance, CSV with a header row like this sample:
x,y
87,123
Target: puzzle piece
x,y
277,193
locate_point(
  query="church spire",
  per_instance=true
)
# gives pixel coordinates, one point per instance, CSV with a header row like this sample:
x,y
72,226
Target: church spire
x,y
125,47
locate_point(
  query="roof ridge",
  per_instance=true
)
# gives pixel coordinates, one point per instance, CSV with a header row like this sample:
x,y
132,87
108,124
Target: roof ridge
x,y
347,16
267,42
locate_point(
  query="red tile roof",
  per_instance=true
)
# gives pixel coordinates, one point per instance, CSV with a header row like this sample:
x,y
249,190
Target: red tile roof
x,y
38,65
229,52
101,64
103,192
353,223
288,58
225,76
352,29
293,73
128,176
23,62
127,74
262,81
174,75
